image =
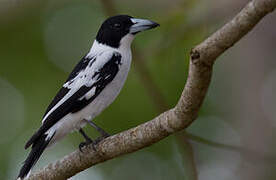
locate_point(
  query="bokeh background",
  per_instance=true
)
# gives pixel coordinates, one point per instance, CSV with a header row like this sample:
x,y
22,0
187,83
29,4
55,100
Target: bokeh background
x,y
234,135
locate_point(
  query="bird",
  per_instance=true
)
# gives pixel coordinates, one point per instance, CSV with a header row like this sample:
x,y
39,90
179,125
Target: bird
x,y
91,87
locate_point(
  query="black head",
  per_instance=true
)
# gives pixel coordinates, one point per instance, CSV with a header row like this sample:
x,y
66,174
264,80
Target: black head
x,y
115,28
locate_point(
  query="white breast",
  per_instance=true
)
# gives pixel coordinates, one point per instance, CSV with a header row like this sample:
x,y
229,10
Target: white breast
x,y
74,121
111,91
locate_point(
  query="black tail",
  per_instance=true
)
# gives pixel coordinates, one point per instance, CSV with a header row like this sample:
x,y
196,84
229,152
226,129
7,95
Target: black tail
x,y
37,149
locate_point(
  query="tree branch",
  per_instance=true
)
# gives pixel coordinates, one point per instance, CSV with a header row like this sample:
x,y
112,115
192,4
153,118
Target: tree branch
x,y
152,89
182,115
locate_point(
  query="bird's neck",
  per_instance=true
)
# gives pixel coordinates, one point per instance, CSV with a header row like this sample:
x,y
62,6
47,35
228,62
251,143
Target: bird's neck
x,y
124,48
125,43
99,48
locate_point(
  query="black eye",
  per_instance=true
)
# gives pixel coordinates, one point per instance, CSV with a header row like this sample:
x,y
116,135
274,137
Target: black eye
x,y
117,25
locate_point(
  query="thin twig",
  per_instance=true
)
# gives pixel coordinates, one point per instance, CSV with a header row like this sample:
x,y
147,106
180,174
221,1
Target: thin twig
x,y
243,150
188,159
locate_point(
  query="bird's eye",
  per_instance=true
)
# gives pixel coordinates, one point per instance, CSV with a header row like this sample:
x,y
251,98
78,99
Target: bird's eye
x,y
117,25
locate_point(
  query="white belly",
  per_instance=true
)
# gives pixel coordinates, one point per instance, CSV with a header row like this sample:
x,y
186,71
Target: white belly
x,y
75,121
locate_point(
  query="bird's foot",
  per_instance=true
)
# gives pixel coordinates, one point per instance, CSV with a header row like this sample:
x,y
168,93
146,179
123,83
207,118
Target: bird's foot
x,y
99,139
86,143
93,143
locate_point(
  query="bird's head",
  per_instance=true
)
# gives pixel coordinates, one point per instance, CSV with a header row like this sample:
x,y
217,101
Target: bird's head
x,y
120,30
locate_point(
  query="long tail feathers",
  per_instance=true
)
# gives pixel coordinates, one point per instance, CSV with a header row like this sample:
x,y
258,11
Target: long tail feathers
x,y
37,149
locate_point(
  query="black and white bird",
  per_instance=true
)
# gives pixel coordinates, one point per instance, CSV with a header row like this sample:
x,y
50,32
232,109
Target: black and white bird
x,y
93,85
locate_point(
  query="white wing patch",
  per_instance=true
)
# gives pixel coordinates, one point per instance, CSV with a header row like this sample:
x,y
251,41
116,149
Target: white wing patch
x,y
89,94
50,133
67,96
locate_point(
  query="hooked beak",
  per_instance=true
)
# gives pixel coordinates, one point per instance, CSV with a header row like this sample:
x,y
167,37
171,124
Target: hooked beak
x,y
141,25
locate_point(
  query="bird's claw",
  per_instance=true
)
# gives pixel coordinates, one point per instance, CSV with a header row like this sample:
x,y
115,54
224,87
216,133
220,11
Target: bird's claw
x,y
81,145
105,135
99,139
93,143
86,143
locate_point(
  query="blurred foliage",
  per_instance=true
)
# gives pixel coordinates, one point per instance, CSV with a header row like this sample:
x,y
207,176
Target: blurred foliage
x,y
41,41
40,44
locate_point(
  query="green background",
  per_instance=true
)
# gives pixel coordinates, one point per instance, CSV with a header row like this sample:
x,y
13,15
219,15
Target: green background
x,y
41,41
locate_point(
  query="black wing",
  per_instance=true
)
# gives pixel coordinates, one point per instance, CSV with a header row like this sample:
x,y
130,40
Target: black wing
x,y
63,91
102,77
